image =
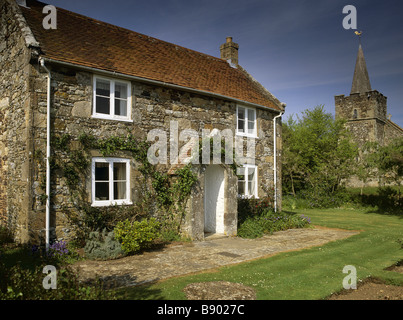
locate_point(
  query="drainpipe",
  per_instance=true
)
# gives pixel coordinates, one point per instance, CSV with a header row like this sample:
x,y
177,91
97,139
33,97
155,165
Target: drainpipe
x,y
275,159
47,228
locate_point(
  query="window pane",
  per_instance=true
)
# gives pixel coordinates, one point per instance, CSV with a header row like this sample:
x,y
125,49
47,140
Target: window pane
x,y
251,174
251,181
101,191
240,173
241,187
119,190
121,90
241,120
121,107
251,127
103,105
250,193
251,115
103,88
241,113
119,177
101,171
119,171
241,126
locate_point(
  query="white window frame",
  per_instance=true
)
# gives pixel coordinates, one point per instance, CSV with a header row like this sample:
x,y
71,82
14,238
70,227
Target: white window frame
x,y
246,175
111,202
246,133
112,115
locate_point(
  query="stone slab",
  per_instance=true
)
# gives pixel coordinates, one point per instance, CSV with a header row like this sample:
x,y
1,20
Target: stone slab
x,y
188,258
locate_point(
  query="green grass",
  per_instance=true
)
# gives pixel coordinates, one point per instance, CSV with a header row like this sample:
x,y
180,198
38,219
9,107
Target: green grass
x,y
313,273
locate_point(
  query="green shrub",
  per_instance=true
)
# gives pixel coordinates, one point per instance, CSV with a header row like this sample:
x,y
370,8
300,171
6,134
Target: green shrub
x,y
251,228
103,246
291,202
257,226
321,198
17,283
251,207
135,236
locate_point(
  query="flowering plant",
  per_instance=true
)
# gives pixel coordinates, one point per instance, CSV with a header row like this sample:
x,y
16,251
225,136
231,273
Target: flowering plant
x,y
58,248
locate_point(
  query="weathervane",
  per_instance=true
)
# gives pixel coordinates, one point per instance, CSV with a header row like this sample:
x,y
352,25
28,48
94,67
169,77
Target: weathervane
x,y
359,33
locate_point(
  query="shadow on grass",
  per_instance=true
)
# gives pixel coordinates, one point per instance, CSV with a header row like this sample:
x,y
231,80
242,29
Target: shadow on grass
x,y
140,292
379,200
386,201
291,213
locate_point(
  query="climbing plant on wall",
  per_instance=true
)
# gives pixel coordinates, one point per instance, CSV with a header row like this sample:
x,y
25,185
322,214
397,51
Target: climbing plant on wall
x,y
162,194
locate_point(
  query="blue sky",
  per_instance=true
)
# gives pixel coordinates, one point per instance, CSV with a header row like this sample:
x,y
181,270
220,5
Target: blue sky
x,y
297,49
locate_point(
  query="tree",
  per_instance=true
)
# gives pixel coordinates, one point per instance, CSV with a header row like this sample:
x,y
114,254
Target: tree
x,y
391,161
318,155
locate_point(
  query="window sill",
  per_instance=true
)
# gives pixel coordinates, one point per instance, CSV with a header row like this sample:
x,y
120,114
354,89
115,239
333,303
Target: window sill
x,y
247,135
111,118
242,196
111,203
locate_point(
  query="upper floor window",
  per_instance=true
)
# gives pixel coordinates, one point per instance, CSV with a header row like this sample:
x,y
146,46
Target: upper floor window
x,y
246,121
355,114
112,99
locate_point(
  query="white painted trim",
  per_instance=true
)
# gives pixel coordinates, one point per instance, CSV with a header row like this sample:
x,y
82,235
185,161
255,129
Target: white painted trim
x,y
112,202
246,134
112,115
247,195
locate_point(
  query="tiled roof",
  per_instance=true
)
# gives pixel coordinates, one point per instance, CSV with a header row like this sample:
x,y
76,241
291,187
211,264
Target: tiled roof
x,y
91,43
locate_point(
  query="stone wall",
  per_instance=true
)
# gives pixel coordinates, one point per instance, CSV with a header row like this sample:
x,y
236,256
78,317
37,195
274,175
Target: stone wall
x,y
153,107
368,106
23,119
366,116
15,119
392,131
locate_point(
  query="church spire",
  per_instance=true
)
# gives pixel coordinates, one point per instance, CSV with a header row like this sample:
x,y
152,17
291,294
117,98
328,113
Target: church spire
x,y
361,82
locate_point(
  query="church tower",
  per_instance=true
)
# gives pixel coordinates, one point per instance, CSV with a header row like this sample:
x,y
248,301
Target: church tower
x,y
364,109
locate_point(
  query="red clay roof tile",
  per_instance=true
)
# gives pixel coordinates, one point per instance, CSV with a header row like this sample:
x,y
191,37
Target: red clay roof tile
x,y
91,43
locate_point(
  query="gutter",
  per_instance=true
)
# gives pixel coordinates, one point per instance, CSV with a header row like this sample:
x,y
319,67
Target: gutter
x,y
156,82
275,158
47,228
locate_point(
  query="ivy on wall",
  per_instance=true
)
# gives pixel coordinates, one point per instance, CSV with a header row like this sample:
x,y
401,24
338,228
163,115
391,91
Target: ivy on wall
x,y
162,194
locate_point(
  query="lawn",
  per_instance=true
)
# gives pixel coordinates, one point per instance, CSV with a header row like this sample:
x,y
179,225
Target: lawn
x,y
313,273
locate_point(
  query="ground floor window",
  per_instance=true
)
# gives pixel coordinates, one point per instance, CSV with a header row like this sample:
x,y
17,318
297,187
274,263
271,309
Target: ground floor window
x,y
247,181
110,181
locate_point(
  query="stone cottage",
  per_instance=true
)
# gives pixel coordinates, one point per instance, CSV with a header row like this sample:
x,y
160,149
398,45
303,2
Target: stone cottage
x,y
365,111
89,77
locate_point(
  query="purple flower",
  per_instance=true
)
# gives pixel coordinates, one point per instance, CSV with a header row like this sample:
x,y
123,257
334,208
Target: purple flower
x,y
58,248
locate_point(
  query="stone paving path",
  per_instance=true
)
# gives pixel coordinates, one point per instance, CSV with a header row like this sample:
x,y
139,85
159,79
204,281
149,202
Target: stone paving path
x,y
195,257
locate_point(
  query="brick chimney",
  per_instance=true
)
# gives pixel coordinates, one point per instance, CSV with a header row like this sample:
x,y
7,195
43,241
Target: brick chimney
x,y
229,51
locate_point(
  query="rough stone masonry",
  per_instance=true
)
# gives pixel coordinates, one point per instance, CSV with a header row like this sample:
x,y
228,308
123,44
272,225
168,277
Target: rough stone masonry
x,y
154,105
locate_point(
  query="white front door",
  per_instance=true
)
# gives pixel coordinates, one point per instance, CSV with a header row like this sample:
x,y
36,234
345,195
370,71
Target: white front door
x,y
214,199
